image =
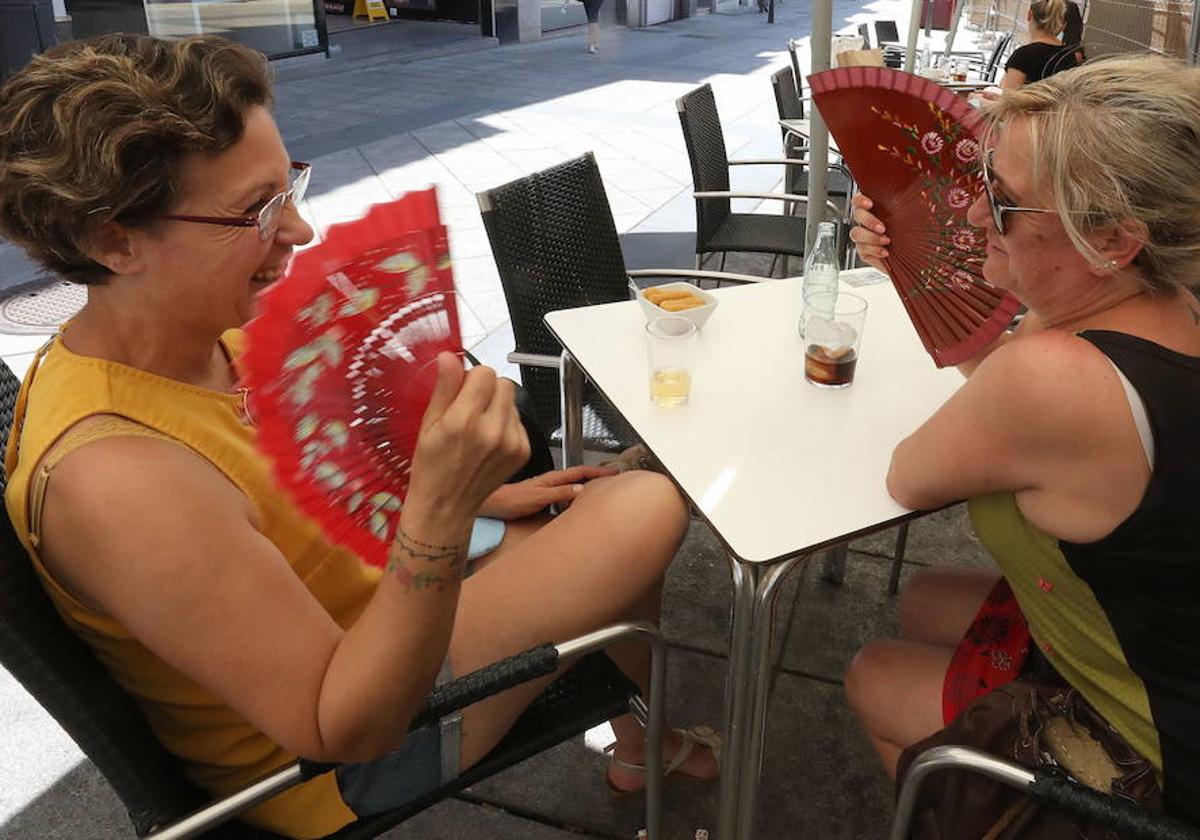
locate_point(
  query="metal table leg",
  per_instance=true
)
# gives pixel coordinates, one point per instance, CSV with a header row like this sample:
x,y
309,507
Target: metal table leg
x,y
571,391
833,569
756,590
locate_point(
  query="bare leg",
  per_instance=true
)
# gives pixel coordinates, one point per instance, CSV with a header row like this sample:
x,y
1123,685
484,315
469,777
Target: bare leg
x,y
599,562
938,605
593,36
895,686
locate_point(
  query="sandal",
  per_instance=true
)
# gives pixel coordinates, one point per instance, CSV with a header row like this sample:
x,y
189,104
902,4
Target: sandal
x,y
636,457
702,735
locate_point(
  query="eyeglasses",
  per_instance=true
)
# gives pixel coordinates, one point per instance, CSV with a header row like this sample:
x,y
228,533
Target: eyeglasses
x,y
266,219
998,209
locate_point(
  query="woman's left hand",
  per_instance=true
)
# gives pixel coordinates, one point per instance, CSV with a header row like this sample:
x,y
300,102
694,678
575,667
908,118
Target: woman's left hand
x,y
525,498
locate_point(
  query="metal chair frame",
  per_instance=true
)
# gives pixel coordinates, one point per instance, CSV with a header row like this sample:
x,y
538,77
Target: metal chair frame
x,y
1042,785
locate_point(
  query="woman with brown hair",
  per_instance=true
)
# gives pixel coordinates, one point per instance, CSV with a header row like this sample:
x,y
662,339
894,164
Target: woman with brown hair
x,y
154,172
1074,438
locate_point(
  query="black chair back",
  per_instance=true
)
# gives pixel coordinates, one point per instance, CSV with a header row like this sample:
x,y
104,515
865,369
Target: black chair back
x,y
66,679
706,152
886,32
864,32
989,70
556,247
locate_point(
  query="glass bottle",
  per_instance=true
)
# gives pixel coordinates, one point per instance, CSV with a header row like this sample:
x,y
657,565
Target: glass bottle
x,y
821,263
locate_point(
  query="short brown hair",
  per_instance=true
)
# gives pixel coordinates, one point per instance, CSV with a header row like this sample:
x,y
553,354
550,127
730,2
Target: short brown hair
x,y
94,131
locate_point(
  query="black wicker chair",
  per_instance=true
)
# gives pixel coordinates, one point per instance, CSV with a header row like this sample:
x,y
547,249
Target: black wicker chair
x,y
790,107
1051,788
718,228
556,247
59,671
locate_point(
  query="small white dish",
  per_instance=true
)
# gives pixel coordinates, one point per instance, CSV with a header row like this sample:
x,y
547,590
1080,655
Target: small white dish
x,y
698,315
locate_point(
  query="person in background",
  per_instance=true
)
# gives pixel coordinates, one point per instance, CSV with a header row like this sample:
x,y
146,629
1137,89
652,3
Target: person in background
x,y
1072,35
592,8
1044,55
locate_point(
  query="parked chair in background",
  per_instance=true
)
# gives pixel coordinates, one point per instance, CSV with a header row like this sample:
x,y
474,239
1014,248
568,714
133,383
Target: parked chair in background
x,y
1052,788
556,247
61,673
840,184
718,228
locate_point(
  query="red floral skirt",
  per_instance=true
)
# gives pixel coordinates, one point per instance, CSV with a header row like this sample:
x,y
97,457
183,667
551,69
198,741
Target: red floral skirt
x,y
993,652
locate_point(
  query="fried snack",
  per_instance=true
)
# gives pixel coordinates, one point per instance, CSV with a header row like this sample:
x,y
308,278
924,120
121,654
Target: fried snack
x,y
680,304
657,296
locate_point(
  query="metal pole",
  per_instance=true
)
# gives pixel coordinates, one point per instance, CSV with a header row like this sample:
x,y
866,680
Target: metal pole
x,y
1194,38
818,142
958,10
914,29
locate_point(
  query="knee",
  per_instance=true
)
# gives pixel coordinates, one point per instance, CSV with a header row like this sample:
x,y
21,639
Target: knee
x,y
864,677
660,497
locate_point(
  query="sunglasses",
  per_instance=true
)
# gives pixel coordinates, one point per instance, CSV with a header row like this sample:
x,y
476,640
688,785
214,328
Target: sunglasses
x,y
266,219
999,208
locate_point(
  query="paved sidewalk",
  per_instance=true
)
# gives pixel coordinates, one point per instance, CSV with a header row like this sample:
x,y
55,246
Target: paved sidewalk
x,y
471,121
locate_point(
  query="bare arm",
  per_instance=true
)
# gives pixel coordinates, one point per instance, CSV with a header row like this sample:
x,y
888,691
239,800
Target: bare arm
x,y
1044,417
1012,79
159,540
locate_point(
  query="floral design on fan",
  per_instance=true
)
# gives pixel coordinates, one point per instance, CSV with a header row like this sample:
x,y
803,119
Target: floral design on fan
x,y
946,161
304,368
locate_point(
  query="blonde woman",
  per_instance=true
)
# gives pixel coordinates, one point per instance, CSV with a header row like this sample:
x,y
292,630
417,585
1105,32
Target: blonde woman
x,y
1044,55
1075,438
153,171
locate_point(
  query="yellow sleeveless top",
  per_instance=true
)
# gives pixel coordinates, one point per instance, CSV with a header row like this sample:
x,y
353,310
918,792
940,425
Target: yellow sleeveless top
x,y
221,751
1065,619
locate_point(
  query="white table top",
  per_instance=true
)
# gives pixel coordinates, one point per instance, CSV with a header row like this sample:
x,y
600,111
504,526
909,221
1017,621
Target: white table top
x,y
777,466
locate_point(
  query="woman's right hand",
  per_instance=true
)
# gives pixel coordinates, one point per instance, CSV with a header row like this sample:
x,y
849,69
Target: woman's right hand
x,y
868,234
471,441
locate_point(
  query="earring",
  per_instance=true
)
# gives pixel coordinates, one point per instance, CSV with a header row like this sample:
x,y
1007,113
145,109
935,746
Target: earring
x,y
1113,265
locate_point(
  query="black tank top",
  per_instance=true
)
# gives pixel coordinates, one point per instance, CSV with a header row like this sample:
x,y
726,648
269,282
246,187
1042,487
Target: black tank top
x,y
1146,573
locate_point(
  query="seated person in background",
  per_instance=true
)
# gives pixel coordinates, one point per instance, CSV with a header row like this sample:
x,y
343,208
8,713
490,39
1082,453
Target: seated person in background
x,y
1044,55
1072,34
156,527
1075,437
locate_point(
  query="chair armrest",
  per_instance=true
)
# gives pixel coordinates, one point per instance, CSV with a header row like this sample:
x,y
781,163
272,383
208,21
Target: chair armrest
x,y
535,359
769,161
697,274
471,688
758,195
803,199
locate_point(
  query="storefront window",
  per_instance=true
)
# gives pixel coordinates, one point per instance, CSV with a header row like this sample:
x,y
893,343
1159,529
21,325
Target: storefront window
x,y
274,27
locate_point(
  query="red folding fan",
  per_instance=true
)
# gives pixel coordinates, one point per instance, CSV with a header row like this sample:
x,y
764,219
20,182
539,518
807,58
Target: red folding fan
x,y
913,147
341,362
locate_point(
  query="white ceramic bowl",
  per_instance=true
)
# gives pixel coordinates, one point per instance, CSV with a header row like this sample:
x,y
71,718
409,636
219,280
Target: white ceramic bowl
x,y
697,315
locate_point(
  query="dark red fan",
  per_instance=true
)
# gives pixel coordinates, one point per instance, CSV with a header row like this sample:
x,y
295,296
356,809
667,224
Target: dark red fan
x,y
340,365
913,147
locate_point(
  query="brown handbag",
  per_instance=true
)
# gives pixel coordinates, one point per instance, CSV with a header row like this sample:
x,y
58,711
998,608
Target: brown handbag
x,y
1035,722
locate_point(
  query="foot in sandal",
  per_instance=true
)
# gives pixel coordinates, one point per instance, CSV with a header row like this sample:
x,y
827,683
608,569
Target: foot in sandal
x,y
692,754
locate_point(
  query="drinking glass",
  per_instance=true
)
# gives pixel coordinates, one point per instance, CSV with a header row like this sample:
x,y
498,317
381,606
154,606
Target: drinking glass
x,y
671,352
831,327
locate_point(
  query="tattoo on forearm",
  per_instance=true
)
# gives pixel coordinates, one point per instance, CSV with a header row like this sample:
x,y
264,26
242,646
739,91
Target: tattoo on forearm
x,y
405,549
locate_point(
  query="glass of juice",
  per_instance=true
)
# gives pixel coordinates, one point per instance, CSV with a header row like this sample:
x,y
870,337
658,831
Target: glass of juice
x,y
671,352
832,327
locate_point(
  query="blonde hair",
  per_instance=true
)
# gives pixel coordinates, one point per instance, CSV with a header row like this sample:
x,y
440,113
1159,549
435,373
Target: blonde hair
x,y
1117,141
94,131
1049,15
